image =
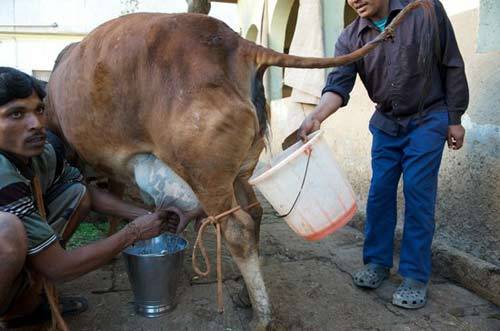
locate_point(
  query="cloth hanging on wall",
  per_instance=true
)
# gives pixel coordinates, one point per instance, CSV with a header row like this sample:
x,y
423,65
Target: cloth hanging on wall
x,y
307,41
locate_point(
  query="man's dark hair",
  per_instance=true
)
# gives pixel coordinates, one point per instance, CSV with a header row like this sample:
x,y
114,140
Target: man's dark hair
x,y
15,84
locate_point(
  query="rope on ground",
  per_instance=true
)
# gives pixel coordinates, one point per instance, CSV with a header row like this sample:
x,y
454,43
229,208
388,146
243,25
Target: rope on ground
x,y
198,244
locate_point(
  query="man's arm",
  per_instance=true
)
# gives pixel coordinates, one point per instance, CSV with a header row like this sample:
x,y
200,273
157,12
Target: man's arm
x,y
339,85
101,201
454,80
106,203
57,264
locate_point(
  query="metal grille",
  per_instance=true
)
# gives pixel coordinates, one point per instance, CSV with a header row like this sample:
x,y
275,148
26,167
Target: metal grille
x,y
42,74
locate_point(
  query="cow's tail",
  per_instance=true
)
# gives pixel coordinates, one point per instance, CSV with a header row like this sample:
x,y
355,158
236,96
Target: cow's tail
x,y
260,104
265,57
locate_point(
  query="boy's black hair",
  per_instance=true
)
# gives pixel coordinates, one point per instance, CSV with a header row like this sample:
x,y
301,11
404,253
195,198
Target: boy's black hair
x,y
15,84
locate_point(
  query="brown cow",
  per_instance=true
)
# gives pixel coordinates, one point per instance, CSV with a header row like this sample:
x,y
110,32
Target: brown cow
x,y
184,89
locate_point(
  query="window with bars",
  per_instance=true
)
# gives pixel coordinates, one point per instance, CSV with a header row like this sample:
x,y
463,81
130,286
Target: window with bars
x,y
42,74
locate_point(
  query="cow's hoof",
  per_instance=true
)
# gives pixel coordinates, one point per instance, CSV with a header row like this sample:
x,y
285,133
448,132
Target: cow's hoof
x,y
242,299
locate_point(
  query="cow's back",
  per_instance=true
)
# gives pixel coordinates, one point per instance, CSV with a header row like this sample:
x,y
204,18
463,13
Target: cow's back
x,y
140,76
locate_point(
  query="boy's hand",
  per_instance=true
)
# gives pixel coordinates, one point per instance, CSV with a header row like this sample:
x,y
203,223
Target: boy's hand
x,y
309,125
455,137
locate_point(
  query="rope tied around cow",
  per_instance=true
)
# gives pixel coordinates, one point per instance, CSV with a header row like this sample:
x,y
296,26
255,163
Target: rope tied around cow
x,y
215,220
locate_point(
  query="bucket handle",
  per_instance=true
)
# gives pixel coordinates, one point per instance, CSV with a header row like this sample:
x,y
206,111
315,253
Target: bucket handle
x,y
308,151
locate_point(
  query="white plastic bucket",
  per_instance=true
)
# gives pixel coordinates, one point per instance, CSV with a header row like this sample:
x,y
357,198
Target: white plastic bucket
x,y
326,202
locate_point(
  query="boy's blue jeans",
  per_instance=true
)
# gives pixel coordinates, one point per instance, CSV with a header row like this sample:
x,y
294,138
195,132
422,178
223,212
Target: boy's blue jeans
x,y
416,153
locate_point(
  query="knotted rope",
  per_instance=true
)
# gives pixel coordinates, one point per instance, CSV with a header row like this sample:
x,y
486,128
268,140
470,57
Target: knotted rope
x,y
58,322
216,220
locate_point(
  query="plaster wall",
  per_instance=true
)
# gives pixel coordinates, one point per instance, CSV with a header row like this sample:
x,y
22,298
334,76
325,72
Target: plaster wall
x,y
250,13
29,39
469,205
489,26
32,52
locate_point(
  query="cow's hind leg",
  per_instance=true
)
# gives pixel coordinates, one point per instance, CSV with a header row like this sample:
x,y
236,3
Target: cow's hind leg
x,y
239,232
210,161
245,196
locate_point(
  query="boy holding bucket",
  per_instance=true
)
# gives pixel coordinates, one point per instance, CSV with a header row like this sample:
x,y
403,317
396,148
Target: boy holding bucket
x,y
418,83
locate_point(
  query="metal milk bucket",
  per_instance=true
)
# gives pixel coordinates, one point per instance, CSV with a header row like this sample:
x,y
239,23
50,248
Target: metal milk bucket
x,y
154,267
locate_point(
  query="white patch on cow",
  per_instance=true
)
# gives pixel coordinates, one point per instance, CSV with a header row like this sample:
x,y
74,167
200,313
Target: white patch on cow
x,y
160,185
252,273
196,120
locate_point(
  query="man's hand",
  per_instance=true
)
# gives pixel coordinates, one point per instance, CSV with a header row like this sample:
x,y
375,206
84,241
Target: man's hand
x,y
149,225
455,137
178,219
57,264
309,125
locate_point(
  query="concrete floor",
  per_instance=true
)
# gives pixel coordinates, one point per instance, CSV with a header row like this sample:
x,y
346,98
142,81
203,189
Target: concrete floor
x,y
309,283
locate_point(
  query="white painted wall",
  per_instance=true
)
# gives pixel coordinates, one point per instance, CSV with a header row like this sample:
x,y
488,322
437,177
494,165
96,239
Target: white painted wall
x,y
34,45
81,16
489,27
31,52
454,7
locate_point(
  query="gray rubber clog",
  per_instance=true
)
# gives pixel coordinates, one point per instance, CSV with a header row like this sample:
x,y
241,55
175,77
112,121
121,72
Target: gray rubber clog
x,y
411,294
371,276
